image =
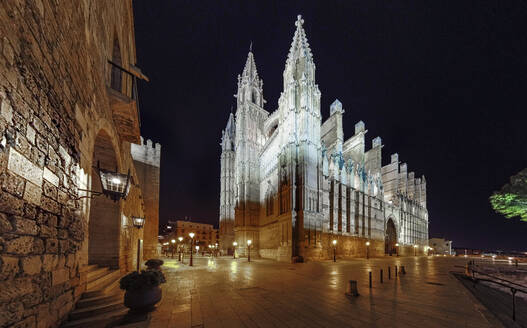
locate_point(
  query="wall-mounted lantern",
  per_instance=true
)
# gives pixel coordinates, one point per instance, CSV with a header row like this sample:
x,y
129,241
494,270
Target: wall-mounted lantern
x,y
139,223
114,185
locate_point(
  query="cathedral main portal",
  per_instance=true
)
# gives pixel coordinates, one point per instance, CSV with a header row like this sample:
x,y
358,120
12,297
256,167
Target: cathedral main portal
x,y
391,238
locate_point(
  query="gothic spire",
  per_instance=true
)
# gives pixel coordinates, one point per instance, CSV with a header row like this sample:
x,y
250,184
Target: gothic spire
x,y
249,71
299,46
250,86
230,128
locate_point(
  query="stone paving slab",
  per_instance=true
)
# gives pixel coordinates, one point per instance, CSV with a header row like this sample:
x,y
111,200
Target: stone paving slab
x,y
225,293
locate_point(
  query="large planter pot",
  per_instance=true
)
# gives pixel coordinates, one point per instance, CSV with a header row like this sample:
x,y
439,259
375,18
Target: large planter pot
x,y
142,300
154,264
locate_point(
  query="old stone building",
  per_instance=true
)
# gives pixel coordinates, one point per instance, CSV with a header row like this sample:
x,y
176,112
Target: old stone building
x,y
292,184
68,103
147,163
205,234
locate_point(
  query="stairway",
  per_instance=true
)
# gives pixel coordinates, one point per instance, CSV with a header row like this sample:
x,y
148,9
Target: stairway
x,y
102,302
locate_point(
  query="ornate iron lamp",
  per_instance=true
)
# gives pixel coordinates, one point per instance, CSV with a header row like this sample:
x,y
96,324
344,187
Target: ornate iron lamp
x,y
114,185
139,223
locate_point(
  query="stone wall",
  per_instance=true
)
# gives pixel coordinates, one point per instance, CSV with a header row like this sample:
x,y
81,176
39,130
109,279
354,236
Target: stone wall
x,y
147,162
54,104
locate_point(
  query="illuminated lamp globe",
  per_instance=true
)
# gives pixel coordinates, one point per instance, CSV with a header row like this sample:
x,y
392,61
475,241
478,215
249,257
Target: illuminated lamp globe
x,y
138,222
114,185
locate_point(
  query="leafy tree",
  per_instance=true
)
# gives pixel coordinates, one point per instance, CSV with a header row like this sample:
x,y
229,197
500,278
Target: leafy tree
x,y
511,200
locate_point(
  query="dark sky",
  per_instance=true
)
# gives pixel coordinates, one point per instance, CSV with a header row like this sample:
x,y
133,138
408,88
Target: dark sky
x,y
442,82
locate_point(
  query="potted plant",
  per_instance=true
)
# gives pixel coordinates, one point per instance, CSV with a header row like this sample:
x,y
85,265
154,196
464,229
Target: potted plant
x,y
142,289
154,264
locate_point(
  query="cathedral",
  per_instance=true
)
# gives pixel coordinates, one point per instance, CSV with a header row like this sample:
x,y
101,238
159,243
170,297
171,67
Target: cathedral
x,y
298,189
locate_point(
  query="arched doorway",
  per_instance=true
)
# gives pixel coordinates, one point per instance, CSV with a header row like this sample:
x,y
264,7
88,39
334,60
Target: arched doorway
x,y
390,238
104,224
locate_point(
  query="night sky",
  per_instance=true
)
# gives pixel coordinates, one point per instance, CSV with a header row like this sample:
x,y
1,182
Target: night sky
x,y
443,83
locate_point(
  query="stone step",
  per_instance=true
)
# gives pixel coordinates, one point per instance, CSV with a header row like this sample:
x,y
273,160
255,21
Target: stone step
x,y
97,321
98,300
95,310
109,287
103,281
97,273
89,267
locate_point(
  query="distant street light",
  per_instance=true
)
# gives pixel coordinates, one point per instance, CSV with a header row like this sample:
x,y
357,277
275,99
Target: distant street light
x,y
415,250
234,244
179,247
367,250
191,235
249,242
173,241
334,250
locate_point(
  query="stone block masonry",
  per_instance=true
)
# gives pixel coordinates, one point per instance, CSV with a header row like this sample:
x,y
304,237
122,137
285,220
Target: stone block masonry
x,y
57,119
147,161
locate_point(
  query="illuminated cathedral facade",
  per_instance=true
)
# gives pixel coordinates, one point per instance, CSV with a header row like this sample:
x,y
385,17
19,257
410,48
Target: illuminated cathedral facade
x,y
293,184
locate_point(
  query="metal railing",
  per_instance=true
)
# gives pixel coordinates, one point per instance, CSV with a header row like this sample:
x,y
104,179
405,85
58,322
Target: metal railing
x,y
124,82
514,287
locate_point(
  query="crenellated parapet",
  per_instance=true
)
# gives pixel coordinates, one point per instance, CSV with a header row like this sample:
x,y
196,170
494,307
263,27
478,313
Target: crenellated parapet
x,y
147,152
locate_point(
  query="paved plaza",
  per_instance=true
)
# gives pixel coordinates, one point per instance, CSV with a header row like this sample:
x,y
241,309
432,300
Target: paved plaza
x,y
222,292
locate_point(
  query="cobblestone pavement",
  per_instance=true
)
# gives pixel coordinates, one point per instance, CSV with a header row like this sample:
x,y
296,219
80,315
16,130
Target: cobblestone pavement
x,y
234,293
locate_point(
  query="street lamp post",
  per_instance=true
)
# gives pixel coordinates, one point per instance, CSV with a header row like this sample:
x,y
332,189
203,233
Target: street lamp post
x,y
249,242
173,241
179,248
415,250
234,244
397,249
367,250
191,235
334,250
138,223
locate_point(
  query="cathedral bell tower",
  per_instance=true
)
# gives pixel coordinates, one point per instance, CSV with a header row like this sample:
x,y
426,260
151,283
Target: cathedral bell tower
x,y
249,140
227,187
299,134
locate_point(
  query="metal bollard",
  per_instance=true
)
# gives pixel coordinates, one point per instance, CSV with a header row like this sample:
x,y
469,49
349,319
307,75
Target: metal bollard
x,y
370,279
389,273
351,290
396,271
381,276
513,291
